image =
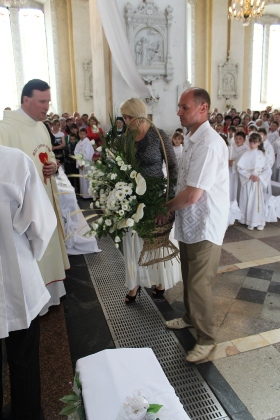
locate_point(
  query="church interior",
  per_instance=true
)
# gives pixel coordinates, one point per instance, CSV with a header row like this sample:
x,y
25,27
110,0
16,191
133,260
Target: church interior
x,y
95,54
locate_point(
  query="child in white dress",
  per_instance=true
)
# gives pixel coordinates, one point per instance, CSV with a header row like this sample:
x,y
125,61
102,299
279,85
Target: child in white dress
x,y
85,148
269,151
255,172
240,147
178,141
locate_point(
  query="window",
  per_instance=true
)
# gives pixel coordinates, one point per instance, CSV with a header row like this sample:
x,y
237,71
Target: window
x,y
265,89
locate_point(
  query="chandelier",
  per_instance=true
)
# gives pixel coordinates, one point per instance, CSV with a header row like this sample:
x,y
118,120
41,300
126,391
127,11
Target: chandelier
x,y
244,10
13,3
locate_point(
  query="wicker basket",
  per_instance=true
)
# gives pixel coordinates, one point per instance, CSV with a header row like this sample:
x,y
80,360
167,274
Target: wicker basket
x,y
160,248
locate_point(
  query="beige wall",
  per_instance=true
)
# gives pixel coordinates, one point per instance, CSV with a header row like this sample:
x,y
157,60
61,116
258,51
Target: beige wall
x,y
67,79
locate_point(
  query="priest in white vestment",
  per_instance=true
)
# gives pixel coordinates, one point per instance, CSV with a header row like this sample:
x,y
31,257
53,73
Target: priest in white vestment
x,y
24,130
27,223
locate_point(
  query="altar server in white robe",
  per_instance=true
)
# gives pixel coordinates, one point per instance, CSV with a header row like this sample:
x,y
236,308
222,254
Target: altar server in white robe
x,y
255,172
27,223
84,150
239,148
24,130
269,151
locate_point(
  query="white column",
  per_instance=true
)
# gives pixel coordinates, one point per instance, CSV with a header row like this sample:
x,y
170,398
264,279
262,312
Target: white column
x,y
266,33
17,49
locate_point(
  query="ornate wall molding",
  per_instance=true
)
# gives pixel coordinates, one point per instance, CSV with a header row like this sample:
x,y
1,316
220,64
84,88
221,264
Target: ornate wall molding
x,y
88,92
148,32
228,80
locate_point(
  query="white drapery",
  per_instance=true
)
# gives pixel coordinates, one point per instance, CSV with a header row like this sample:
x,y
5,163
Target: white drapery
x,y
119,46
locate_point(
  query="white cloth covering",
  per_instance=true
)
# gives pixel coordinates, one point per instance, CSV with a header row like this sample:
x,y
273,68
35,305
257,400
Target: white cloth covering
x,y
75,224
85,148
27,222
235,184
119,46
166,273
251,203
109,376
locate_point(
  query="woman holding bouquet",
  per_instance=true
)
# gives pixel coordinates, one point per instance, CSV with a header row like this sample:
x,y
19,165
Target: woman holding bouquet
x,y
149,153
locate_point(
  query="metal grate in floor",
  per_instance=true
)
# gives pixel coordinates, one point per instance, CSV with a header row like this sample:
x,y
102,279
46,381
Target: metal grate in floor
x,y
142,325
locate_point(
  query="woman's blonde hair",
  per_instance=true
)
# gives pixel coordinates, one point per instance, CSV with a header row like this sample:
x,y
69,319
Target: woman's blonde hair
x,y
134,107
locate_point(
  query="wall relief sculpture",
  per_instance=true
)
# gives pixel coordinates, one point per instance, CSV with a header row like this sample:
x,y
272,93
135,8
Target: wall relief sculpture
x,y
88,93
228,76
148,32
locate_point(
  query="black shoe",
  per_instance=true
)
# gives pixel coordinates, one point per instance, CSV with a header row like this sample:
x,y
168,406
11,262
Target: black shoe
x,y
156,293
130,299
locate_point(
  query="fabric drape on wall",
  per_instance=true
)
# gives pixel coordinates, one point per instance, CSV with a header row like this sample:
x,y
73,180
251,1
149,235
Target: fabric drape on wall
x,y
119,46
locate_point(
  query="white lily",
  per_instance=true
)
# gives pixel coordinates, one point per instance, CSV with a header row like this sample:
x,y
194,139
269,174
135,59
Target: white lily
x,y
139,213
141,185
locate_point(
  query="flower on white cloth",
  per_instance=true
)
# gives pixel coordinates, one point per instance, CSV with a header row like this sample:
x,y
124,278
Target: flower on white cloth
x,y
99,149
92,142
120,195
133,174
108,222
129,222
139,213
127,190
100,220
95,226
125,207
117,239
121,212
141,185
135,407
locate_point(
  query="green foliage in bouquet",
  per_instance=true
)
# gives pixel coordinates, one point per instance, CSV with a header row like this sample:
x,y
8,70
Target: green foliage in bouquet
x,y
74,402
119,189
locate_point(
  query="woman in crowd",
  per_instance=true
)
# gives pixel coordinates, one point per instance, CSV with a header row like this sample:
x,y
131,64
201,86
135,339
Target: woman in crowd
x,y
149,153
93,131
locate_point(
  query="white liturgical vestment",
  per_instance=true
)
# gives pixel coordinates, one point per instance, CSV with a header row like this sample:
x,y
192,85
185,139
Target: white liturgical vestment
x,y
19,130
27,223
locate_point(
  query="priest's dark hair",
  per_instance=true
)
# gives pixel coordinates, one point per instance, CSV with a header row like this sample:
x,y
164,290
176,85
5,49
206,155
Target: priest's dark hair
x,y
34,84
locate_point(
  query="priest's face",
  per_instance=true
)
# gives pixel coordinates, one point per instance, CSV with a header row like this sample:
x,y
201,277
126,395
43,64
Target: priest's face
x,y
38,105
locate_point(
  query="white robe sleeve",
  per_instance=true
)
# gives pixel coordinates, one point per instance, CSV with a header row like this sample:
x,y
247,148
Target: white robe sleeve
x,y
265,176
35,207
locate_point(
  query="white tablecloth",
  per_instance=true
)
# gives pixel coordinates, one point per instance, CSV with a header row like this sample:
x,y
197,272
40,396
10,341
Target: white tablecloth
x,y
109,376
75,224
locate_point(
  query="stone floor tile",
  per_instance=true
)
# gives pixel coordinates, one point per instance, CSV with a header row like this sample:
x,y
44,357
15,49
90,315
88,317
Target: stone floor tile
x,y
228,334
240,307
254,376
221,307
221,350
260,273
272,337
256,284
271,308
243,323
235,235
231,277
274,287
246,264
229,290
272,241
250,343
227,258
248,295
248,250
227,268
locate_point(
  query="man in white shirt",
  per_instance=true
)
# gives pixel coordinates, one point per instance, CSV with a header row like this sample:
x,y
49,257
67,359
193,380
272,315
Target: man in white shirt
x,y
201,206
27,222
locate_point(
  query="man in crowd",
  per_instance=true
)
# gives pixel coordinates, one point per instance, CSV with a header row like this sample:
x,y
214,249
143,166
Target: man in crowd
x,y
201,205
27,222
24,130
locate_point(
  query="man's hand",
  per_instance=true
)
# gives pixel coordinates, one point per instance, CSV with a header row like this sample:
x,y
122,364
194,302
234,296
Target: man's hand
x,y
162,220
49,169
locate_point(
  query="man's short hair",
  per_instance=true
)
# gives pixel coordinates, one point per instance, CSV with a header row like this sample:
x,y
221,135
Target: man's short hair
x,y
201,96
83,130
275,122
84,115
262,130
34,84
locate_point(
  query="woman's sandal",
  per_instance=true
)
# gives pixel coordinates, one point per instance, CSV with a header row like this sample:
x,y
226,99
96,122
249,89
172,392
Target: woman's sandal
x,y
157,293
130,299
